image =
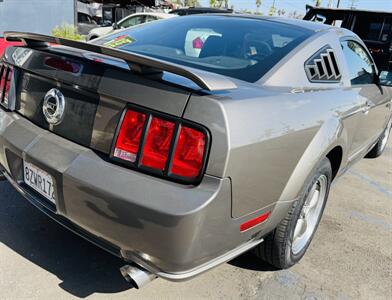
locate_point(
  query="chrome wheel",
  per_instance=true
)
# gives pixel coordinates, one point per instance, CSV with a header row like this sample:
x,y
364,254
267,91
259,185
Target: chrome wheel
x,y
385,136
309,216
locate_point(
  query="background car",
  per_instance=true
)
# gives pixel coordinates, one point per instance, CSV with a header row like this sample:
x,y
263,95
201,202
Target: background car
x,y
129,21
374,28
85,23
4,44
200,10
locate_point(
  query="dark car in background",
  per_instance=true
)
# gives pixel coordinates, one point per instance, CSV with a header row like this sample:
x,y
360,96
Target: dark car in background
x,y
200,10
374,28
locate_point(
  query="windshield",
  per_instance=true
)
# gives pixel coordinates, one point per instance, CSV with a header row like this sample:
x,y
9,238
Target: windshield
x,y
237,47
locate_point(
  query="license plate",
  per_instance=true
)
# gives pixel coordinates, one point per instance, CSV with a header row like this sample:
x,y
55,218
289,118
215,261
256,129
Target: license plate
x,y
39,180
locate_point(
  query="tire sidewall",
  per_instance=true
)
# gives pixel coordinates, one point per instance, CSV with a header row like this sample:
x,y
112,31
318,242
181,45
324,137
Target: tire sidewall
x,y
387,131
379,148
324,168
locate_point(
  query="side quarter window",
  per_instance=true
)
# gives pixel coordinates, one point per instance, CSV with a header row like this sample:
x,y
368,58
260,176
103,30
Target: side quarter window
x,y
359,63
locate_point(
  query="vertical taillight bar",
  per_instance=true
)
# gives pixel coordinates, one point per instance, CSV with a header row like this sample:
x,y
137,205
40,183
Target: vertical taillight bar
x,y
7,88
3,74
7,85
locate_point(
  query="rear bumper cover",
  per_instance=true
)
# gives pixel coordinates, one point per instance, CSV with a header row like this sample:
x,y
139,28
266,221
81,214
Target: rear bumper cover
x,y
172,230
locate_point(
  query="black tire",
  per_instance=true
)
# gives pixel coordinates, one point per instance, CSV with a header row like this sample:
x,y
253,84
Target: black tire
x,y
277,246
379,148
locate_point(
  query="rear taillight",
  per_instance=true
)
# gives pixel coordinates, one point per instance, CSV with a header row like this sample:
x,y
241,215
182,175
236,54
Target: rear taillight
x,y
189,153
6,74
160,145
156,149
3,74
128,140
8,80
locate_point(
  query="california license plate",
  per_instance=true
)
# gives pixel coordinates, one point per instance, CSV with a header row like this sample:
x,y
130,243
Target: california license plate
x,y
39,180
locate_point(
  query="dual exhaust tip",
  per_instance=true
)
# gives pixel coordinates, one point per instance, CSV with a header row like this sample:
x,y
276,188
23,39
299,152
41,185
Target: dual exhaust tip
x,y
137,276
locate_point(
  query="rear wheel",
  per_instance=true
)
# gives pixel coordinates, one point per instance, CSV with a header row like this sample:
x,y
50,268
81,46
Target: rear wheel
x,y
379,148
287,244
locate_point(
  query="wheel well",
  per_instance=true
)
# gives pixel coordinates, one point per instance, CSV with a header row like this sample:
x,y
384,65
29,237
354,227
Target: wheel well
x,y
335,157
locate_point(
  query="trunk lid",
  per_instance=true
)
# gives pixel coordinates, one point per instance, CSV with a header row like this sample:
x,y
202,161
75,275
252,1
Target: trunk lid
x,y
94,91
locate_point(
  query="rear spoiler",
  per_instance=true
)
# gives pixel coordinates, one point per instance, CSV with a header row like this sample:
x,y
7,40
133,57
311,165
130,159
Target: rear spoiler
x,y
137,62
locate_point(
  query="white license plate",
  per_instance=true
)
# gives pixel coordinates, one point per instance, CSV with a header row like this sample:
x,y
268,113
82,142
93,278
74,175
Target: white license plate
x,y
39,180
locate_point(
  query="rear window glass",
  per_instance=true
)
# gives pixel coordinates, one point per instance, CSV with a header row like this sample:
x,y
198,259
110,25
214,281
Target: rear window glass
x,y
242,48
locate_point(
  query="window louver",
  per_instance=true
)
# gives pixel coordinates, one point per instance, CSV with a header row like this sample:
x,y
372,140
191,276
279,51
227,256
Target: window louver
x,y
323,67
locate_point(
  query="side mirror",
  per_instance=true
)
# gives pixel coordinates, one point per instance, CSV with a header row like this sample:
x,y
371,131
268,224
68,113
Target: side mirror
x,y
385,78
115,26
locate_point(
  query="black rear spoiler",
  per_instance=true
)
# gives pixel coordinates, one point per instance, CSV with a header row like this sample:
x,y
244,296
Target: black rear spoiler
x,y
137,62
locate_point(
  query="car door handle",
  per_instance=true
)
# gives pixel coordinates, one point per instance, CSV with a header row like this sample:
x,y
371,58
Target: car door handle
x,y
367,107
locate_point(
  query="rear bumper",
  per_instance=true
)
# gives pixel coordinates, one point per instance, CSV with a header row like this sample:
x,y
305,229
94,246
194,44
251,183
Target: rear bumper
x,y
172,230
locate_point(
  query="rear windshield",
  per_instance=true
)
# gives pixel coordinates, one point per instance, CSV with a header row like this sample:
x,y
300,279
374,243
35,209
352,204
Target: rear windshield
x,y
242,48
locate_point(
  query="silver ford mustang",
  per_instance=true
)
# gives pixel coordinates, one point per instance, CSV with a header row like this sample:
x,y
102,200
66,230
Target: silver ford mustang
x,y
181,144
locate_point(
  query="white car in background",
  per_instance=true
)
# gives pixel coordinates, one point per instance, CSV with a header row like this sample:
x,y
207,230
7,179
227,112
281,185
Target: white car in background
x,y
129,21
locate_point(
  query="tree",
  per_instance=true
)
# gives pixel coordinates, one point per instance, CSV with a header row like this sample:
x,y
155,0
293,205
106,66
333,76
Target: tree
x,y
219,3
353,4
258,4
189,3
295,15
272,9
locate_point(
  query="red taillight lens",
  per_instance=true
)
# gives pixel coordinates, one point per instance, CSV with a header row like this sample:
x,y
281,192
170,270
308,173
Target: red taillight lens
x,y
128,141
157,146
3,76
164,146
8,83
189,153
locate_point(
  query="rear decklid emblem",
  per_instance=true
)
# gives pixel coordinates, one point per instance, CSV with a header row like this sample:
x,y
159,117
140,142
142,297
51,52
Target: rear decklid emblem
x,y
53,107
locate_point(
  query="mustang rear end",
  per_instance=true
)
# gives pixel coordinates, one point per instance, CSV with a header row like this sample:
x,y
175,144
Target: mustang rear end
x,y
110,155
177,148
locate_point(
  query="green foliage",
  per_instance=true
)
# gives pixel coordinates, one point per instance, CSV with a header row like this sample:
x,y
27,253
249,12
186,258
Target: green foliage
x,y
272,11
191,3
219,3
188,3
66,31
318,3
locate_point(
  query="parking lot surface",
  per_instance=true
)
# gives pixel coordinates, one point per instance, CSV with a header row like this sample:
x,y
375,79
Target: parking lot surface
x,y
350,257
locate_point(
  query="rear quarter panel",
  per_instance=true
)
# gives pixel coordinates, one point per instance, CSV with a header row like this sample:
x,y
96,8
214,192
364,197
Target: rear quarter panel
x,y
268,137
268,144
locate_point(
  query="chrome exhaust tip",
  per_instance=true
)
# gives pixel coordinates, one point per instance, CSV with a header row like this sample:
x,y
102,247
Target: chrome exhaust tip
x,y
136,276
